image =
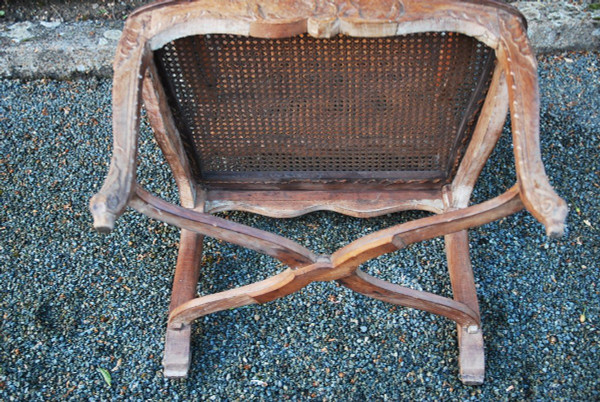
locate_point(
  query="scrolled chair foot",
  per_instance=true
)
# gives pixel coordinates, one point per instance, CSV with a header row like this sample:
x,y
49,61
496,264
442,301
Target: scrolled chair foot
x,y
545,205
104,220
555,231
554,217
555,226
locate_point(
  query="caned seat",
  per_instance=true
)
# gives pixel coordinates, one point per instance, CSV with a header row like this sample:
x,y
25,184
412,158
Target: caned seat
x,y
363,108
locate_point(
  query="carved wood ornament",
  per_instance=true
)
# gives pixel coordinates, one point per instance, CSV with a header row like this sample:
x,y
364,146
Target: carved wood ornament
x,y
513,88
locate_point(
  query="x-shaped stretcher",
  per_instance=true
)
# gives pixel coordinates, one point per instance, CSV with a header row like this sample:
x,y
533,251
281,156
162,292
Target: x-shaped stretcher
x,y
513,87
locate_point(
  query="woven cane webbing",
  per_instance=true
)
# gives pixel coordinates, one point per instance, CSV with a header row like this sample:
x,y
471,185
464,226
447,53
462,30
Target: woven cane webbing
x,y
324,109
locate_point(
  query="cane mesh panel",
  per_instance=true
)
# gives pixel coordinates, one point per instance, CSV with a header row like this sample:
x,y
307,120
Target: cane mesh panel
x,y
400,107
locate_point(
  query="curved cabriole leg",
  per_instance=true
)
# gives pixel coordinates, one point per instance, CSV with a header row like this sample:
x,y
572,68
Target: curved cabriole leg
x,y
520,65
130,63
470,339
176,361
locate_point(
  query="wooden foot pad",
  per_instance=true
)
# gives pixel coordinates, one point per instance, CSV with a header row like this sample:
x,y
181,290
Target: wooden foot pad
x,y
471,357
176,361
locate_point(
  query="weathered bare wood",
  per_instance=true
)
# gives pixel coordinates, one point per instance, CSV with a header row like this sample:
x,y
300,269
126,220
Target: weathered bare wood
x,y
481,88
484,139
344,264
286,204
324,19
188,268
459,268
177,356
275,287
130,63
172,19
514,83
285,250
471,356
167,136
348,258
470,340
304,184
242,296
518,61
316,176
368,285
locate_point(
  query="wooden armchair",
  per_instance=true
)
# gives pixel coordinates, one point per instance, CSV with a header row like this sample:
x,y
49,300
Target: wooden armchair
x,y
361,107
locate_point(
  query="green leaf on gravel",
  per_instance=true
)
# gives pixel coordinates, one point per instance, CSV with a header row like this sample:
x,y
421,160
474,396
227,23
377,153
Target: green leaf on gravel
x,y
105,375
2,13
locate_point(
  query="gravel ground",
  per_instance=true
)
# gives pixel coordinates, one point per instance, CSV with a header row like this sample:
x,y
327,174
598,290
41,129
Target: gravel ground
x,y
73,301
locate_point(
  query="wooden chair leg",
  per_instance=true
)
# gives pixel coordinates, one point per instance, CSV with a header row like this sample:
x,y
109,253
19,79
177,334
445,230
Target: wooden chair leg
x,y
176,361
470,339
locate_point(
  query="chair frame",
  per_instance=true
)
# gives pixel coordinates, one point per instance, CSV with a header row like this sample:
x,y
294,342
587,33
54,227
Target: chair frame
x,y
513,87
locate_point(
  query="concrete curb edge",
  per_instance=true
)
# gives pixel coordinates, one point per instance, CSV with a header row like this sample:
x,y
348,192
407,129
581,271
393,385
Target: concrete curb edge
x,y
32,50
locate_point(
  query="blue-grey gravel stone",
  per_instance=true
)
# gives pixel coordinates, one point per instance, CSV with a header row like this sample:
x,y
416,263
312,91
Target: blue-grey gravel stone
x,y
73,301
